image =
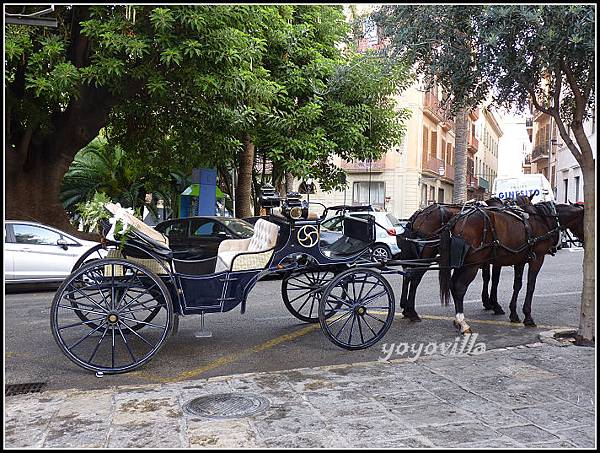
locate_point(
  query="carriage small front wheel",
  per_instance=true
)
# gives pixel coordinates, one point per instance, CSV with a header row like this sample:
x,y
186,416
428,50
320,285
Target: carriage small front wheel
x,y
116,295
357,308
301,292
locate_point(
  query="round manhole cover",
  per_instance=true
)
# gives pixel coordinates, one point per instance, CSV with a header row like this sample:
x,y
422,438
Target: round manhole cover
x,y
227,405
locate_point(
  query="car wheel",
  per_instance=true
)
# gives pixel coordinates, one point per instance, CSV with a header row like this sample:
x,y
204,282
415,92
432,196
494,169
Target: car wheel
x,y
380,252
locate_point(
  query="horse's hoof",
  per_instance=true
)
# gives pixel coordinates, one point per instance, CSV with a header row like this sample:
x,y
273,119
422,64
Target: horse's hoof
x,y
414,318
499,311
467,331
529,323
514,318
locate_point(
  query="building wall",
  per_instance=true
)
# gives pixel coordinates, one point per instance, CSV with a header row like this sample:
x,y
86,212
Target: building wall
x,y
569,178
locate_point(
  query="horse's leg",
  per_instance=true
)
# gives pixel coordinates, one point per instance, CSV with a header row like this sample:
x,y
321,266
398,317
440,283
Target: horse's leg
x,y
494,293
410,312
517,284
532,272
485,297
461,280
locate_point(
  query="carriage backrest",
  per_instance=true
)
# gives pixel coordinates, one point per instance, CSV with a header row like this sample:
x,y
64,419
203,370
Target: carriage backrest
x,y
360,228
147,232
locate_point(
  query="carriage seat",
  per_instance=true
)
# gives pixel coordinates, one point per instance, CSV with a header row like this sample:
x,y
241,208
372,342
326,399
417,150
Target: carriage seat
x,y
251,253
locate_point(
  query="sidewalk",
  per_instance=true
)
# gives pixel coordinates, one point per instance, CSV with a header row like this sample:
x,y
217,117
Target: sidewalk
x,y
528,396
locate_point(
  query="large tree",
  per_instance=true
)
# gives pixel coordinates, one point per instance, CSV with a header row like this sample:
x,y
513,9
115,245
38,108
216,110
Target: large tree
x,y
545,54
439,43
61,86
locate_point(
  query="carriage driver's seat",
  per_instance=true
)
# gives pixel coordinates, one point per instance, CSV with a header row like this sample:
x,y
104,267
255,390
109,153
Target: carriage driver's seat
x,y
251,253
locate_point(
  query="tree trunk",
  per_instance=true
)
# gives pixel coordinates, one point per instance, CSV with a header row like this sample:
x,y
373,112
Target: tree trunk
x,y
459,193
243,191
289,182
587,319
35,166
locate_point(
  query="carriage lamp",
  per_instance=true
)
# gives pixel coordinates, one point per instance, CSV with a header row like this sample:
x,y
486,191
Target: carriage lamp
x,y
295,208
269,197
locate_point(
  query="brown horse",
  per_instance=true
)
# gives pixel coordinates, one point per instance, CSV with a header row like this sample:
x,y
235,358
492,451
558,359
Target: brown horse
x,y
504,237
420,241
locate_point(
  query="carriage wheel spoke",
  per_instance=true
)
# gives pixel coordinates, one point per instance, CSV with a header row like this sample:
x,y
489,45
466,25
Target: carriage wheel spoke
x,y
143,322
112,360
89,298
376,319
344,325
89,334
126,343
89,321
370,328
98,345
372,298
137,334
80,309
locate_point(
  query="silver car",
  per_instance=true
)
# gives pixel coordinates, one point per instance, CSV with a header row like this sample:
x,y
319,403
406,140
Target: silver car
x,y
385,246
37,253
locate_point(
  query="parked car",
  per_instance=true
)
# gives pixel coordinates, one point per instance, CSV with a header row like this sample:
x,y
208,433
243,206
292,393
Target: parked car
x,y
199,237
37,253
385,247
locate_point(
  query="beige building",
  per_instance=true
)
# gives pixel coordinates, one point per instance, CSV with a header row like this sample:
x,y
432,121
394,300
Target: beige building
x,y
421,170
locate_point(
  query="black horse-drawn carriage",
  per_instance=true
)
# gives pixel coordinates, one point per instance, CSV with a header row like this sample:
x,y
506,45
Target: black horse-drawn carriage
x,y
125,296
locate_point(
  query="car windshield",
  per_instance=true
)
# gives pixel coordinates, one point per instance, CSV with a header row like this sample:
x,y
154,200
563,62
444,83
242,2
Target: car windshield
x,y
239,227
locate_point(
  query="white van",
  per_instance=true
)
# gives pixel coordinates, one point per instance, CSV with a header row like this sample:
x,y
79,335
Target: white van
x,y
536,184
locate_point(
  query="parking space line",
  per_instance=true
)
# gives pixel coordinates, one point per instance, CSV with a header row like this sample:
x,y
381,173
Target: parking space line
x,y
231,358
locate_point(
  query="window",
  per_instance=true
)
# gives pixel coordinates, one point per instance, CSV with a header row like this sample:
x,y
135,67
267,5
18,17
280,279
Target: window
x,y
176,230
576,188
423,194
566,184
433,143
204,228
432,194
441,196
443,157
365,193
29,234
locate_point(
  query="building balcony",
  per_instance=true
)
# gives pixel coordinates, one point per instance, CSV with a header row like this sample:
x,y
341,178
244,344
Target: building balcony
x,y
364,166
472,144
540,152
527,160
474,114
438,167
432,108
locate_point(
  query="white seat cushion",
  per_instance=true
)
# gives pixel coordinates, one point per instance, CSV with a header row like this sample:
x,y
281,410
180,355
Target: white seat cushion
x,y
264,238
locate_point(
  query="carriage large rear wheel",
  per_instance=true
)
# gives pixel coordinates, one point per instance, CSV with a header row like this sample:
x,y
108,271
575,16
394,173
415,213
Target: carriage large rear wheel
x,y
116,295
94,254
357,308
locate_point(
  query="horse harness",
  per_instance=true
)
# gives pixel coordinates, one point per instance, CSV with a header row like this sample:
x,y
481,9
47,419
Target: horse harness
x,y
548,210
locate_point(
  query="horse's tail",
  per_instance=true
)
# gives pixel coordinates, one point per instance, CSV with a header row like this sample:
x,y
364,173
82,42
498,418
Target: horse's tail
x,y
444,264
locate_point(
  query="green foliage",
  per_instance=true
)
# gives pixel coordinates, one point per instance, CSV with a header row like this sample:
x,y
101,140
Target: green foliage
x,y
440,43
190,82
92,211
533,50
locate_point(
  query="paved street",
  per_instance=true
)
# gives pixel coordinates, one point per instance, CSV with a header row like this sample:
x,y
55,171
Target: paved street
x,y
535,396
268,338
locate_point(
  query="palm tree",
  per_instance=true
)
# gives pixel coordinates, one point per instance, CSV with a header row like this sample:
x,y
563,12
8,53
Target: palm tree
x,y
104,167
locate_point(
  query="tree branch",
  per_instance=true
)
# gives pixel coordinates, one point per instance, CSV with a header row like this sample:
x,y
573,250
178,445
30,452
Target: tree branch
x,y
579,101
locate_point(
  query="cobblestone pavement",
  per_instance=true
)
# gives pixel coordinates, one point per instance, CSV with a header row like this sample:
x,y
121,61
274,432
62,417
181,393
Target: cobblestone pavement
x,y
537,395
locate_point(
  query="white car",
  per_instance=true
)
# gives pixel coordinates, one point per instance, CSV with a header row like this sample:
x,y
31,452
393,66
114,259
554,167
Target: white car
x,y
37,253
386,245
